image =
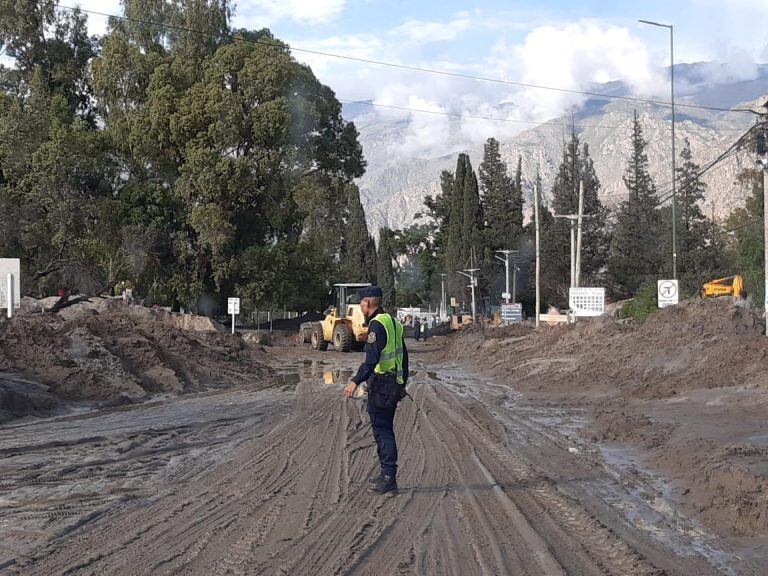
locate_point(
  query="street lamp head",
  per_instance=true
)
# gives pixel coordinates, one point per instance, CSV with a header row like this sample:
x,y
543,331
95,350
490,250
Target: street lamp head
x,y
655,23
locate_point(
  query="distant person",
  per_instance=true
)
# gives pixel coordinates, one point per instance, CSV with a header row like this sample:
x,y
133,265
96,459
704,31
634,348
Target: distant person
x,y
434,322
424,330
385,369
416,329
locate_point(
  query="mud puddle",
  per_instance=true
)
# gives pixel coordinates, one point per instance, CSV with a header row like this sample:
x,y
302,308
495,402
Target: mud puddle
x,y
644,499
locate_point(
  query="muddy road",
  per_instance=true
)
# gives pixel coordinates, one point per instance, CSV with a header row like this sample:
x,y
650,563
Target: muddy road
x,y
246,481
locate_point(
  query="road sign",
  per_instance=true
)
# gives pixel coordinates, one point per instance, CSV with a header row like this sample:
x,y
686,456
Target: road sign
x,y
587,302
233,305
512,313
669,293
10,266
506,295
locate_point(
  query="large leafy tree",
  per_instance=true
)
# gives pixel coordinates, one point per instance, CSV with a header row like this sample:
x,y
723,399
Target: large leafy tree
x,y
192,159
635,255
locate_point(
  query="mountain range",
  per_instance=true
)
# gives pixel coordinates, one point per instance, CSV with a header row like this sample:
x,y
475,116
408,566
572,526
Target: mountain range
x,y
397,181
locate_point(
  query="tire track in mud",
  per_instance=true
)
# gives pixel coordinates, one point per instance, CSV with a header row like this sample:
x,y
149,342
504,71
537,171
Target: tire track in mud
x,y
287,495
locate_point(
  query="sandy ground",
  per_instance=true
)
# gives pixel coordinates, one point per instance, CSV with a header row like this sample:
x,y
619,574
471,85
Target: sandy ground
x,y
269,477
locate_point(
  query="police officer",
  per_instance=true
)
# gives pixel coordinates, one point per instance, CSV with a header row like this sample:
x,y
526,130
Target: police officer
x,y
386,370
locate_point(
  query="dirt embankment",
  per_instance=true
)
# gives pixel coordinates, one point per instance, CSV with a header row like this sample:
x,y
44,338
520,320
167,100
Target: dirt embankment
x,y
112,353
688,390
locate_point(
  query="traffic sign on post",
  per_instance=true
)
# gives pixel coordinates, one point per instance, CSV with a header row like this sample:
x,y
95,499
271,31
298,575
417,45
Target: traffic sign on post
x,y
233,306
587,302
10,284
512,313
669,293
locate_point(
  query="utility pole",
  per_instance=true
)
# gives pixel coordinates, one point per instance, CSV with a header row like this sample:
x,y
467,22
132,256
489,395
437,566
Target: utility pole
x,y
671,29
578,234
538,264
514,283
443,306
506,267
762,160
573,219
470,273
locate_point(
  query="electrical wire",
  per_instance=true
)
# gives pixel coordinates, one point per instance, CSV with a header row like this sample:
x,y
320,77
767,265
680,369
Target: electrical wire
x,y
419,69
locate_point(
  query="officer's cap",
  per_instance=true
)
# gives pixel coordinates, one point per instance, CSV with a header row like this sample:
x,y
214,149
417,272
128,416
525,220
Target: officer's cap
x,y
370,292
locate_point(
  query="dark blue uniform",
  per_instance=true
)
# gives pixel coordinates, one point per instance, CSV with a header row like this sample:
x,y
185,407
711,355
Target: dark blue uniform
x,y
382,419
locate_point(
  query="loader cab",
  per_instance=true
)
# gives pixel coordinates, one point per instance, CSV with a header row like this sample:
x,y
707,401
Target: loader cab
x,y
346,297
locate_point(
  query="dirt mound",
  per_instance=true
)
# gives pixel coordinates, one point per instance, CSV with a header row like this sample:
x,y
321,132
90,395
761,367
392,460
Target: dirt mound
x,y
684,388
109,352
20,397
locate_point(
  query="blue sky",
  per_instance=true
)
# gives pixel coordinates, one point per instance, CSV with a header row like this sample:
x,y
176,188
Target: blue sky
x,y
568,44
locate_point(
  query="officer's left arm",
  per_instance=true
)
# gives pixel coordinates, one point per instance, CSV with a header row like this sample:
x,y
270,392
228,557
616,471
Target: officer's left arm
x,y
405,363
377,339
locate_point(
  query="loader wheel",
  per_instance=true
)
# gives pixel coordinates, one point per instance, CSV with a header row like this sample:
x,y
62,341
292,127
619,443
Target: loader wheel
x,y
343,338
318,341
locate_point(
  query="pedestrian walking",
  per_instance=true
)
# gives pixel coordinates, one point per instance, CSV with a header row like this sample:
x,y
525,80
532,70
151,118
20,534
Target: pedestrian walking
x,y
417,329
385,370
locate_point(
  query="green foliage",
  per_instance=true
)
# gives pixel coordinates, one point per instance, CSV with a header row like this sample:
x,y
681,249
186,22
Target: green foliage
x,y
643,304
576,167
193,166
502,200
386,272
747,243
635,255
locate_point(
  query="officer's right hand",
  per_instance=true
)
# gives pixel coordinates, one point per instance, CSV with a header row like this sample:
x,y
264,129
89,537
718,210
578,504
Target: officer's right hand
x,y
349,391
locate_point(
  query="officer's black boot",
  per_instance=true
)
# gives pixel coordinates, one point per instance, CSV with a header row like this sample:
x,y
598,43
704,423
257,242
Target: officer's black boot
x,y
385,485
373,480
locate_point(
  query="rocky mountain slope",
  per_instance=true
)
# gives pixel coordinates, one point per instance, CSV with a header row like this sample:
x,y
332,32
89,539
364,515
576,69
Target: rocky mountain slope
x,y
397,181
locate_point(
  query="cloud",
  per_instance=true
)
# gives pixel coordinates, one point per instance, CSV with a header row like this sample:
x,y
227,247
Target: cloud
x,y
257,13
576,56
422,31
97,25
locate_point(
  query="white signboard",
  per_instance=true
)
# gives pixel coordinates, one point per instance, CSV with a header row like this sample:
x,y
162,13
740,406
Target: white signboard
x,y
10,266
233,306
506,295
669,293
587,302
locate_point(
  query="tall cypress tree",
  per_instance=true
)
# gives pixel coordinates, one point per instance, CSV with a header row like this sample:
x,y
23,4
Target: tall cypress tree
x,y
358,250
455,244
472,218
635,253
502,201
386,273
595,236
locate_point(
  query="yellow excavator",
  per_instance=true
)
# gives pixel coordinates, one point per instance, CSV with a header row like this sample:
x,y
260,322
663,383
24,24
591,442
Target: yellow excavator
x,y
730,286
344,324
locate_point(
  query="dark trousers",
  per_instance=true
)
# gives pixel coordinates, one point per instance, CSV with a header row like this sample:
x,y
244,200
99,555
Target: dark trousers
x,y
382,422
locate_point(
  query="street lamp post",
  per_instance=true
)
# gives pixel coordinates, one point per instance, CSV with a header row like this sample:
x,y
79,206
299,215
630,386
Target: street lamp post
x,y
671,29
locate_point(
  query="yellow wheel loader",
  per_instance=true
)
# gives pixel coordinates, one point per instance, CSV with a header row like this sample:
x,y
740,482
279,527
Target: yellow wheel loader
x,y
344,324
731,286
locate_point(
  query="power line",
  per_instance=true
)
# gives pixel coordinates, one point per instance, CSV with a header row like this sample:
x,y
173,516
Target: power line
x,y
404,66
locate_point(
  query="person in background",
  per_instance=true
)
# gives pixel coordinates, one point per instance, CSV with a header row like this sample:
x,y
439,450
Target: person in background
x,y
416,329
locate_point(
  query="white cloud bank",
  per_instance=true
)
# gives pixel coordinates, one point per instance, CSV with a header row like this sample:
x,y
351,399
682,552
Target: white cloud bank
x,y
257,13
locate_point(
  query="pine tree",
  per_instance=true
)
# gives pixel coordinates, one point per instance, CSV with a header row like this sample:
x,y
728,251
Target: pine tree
x,y
576,167
697,250
358,251
635,253
386,273
502,201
